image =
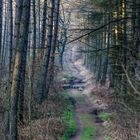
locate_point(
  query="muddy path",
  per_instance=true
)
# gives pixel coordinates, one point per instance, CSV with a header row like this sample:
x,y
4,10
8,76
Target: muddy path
x,y
89,125
86,114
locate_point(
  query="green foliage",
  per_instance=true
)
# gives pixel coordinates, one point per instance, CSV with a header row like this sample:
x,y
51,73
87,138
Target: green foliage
x,y
107,137
89,130
69,119
104,116
89,133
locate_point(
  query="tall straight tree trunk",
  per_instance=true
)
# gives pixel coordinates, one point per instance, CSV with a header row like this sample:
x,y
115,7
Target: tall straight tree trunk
x,y
38,23
100,57
1,13
4,38
34,30
10,7
54,45
124,50
14,36
17,20
34,45
47,51
105,65
33,57
44,23
61,52
11,36
96,53
20,56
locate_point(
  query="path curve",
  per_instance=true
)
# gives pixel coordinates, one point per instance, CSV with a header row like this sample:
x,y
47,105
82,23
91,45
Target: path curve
x,y
84,106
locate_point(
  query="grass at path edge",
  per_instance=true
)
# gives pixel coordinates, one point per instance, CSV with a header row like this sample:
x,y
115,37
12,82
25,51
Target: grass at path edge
x,y
69,119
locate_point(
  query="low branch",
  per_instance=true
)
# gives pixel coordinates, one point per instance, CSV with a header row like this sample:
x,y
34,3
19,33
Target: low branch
x,y
129,81
101,27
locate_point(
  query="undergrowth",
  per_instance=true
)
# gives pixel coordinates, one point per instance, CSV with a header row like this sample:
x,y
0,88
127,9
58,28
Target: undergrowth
x,y
89,130
69,119
104,116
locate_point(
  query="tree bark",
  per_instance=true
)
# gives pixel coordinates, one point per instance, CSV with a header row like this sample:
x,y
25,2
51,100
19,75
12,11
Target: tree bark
x,y
47,52
20,56
11,36
44,25
1,13
55,36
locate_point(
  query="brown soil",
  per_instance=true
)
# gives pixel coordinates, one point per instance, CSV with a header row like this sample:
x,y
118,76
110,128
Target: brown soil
x,y
85,105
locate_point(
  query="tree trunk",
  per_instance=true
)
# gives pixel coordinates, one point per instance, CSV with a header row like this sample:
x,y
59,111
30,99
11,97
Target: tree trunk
x,y
1,13
20,56
34,46
105,65
11,36
44,23
47,52
55,36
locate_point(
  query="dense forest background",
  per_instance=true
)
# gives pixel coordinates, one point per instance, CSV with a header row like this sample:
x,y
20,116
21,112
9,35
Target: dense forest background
x,y
34,36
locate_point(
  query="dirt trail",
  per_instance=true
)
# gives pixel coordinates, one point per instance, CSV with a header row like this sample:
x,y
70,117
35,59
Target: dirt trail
x,y
85,109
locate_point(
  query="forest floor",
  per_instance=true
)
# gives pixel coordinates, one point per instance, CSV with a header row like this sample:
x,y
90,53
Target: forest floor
x,y
87,107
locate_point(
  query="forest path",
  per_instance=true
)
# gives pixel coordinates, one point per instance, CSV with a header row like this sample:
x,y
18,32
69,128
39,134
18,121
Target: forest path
x,y
89,125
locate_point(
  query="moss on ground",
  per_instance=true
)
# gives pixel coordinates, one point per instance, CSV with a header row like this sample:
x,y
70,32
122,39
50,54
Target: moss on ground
x,y
89,130
107,137
104,116
69,119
